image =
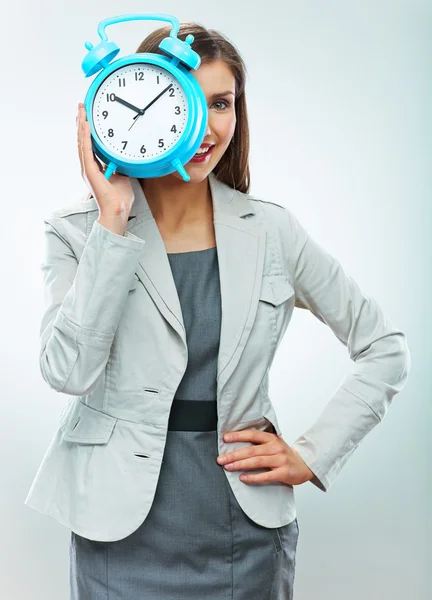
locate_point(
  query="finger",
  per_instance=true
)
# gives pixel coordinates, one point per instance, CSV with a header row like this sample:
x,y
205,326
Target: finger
x,y
255,462
260,477
93,172
100,164
248,435
81,112
265,449
263,442
80,120
79,138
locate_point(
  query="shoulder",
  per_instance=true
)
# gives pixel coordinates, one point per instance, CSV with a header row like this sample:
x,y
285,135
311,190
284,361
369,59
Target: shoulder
x,y
78,208
72,223
274,213
263,202
282,223
285,236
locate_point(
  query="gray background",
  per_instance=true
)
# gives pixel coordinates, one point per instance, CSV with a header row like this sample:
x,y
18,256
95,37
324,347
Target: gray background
x,y
339,96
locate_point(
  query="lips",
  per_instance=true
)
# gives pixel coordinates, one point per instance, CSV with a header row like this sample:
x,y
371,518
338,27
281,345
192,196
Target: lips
x,y
205,156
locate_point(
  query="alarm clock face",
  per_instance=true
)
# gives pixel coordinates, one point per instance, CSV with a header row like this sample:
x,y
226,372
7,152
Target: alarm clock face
x,y
139,111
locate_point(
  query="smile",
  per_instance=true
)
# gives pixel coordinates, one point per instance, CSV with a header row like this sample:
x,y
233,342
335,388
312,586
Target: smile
x,y
203,154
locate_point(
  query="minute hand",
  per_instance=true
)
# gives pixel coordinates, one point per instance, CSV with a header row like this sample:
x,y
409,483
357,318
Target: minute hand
x,y
154,100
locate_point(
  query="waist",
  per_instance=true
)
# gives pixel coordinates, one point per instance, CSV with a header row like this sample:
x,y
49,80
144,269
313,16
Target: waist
x,y
193,415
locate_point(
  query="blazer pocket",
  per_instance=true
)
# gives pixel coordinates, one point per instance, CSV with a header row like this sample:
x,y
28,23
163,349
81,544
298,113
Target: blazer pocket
x,y
86,425
275,289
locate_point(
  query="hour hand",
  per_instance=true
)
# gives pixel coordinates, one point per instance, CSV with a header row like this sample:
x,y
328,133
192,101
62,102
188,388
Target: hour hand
x,y
140,111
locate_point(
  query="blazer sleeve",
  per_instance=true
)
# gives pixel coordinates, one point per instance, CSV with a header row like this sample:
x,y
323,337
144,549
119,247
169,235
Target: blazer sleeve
x,y
378,349
84,302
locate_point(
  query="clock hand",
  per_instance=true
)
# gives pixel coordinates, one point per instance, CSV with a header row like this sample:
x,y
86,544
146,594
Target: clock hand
x,y
149,104
157,98
128,104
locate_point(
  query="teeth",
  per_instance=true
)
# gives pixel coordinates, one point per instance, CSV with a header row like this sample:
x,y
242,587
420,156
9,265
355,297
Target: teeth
x,y
203,150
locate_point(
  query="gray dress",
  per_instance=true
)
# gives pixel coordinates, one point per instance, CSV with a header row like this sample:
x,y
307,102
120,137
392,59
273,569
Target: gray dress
x,y
196,542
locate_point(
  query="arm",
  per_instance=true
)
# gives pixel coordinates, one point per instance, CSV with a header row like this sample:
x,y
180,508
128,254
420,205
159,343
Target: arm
x,y
84,303
376,346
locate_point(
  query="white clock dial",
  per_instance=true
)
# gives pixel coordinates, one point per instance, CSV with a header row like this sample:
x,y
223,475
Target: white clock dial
x,y
127,91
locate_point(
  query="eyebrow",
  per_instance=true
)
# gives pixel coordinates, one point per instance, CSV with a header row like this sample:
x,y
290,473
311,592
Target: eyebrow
x,y
223,93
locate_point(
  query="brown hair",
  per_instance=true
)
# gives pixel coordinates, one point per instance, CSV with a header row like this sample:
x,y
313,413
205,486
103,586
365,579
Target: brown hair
x,y
233,167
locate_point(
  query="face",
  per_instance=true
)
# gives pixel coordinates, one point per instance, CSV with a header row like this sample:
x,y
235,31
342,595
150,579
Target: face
x,y
218,84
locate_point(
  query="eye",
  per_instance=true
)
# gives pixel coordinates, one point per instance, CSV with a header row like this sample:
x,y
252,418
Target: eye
x,y
222,102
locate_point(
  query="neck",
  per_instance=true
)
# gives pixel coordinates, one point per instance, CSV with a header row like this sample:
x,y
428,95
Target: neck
x,y
175,203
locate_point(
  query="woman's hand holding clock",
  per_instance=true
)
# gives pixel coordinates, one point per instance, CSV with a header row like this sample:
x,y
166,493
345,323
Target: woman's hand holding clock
x,y
115,196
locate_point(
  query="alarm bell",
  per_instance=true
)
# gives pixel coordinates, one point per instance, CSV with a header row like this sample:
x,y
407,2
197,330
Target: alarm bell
x,y
98,57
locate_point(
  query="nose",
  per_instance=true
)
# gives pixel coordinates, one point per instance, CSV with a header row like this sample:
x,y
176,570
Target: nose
x,y
208,130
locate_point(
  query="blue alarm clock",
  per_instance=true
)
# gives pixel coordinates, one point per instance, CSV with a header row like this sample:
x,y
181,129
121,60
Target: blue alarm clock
x,y
147,113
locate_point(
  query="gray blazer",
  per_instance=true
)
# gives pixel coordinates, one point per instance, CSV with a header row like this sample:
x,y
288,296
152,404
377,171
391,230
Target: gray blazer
x,y
113,340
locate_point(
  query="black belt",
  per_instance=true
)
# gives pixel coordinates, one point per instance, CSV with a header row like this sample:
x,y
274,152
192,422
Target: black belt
x,y
193,415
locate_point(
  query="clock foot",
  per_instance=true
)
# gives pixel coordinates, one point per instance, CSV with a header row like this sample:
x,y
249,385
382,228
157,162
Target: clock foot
x,y
110,169
180,168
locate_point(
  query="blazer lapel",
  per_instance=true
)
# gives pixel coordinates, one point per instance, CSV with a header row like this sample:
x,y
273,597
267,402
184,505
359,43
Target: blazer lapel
x,y
240,250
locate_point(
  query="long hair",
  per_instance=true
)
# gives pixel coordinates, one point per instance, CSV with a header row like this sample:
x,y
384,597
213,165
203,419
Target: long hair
x,y
233,167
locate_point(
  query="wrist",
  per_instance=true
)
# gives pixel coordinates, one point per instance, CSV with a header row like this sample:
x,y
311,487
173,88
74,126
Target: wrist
x,y
115,223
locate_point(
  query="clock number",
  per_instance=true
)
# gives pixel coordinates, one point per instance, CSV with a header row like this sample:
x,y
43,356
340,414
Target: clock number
x,y
171,92
110,97
139,76
143,150
122,82
174,129
110,133
105,114
125,144
157,78
161,143
177,110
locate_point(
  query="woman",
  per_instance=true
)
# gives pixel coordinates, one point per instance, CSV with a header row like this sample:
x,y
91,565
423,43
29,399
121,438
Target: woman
x,y
188,527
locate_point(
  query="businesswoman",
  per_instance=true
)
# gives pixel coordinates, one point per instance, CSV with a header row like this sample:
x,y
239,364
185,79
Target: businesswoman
x,y
166,303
